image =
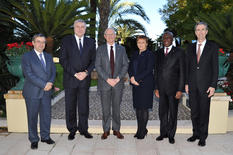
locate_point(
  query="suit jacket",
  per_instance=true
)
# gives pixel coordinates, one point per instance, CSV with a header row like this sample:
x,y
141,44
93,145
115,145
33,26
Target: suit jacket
x,y
102,65
36,76
204,74
73,62
170,71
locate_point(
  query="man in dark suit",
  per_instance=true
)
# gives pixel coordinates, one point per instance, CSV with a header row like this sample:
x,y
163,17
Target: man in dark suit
x,y
78,60
201,81
40,72
111,65
170,83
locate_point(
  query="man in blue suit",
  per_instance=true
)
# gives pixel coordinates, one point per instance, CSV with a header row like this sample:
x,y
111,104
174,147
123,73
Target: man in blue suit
x,y
39,71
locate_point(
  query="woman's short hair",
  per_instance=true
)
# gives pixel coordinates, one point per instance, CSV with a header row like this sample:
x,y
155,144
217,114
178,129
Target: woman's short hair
x,y
142,37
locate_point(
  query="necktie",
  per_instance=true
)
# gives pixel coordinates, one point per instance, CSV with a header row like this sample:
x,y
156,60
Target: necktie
x,y
80,46
112,60
198,53
166,52
42,61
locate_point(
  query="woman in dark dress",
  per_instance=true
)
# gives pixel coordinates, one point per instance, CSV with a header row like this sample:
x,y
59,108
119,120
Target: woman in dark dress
x,y
141,68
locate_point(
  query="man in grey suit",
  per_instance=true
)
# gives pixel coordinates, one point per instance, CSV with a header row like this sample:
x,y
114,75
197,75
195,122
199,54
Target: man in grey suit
x,y
40,72
111,65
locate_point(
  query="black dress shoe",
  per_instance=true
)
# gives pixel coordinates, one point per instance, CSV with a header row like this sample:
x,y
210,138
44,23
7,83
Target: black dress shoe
x,y
171,140
48,141
201,143
159,138
34,145
192,139
86,134
71,136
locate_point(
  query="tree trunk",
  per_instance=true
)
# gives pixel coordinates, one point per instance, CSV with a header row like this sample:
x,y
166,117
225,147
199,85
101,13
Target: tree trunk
x,y
104,10
93,19
49,45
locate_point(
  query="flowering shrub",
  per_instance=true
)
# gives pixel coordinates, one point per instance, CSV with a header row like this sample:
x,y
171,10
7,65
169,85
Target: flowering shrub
x,y
221,52
15,49
224,84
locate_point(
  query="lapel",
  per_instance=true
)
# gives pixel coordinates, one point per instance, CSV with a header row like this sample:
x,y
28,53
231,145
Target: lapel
x,y
46,61
37,60
75,49
204,52
106,58
194,53
117,53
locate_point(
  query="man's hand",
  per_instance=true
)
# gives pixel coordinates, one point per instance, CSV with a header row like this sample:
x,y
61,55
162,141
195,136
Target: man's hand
x,y
117,80
48,86
157,93
80,75
132,80
112,82
211,91
178,94
187,89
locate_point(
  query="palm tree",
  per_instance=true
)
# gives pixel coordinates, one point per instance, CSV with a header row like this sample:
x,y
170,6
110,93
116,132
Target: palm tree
x,y
53,18
221,28
128,28
104,10
117,15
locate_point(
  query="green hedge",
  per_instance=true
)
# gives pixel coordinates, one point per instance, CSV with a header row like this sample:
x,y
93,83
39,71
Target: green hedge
x,y
59,79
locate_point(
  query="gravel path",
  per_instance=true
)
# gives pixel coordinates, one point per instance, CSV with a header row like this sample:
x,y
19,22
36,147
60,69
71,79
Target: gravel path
x,y
127,111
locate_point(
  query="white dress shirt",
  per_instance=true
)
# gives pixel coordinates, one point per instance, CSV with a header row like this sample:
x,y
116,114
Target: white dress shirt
x,y
38,54
114,50
169,49
77,40
201,47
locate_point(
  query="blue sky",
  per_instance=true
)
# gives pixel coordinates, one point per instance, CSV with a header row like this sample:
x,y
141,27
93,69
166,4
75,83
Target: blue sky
x,y
156,25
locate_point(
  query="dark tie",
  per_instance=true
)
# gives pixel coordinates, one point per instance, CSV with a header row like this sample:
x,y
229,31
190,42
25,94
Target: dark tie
x,y
80,47
166,52
112,60
198,53
42,61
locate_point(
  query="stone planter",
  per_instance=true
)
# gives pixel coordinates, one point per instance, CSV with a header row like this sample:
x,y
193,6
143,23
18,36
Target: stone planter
x,y
14,67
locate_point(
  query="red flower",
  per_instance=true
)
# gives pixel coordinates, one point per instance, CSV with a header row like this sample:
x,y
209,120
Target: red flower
x,y
221,50
15,49
29,44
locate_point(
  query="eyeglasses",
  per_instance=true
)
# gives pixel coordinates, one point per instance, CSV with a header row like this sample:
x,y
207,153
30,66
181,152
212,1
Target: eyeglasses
x,y
40,42
111,34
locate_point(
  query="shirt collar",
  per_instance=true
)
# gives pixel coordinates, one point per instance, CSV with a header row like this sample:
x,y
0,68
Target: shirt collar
x,y
169,48
109,46
38,53
203,43
77,38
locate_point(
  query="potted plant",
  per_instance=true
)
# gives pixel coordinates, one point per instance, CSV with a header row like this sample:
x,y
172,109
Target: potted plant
x,y
14,53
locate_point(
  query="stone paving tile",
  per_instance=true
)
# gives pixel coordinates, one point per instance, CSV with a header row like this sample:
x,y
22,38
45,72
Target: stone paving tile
x,y
9,142
127,111
18,144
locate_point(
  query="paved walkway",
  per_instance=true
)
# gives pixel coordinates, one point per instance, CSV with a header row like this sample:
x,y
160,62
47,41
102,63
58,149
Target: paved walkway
x,y
18,144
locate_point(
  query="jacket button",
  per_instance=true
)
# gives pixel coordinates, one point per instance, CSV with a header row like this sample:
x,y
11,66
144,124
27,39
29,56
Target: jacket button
x,y
197,67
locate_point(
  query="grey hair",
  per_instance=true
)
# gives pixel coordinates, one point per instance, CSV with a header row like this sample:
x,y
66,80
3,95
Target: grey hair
x,y
110,28
169,33
37,35
201,23
80,21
